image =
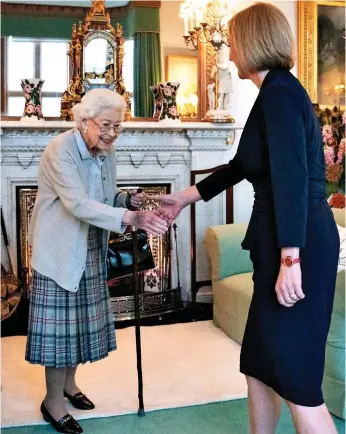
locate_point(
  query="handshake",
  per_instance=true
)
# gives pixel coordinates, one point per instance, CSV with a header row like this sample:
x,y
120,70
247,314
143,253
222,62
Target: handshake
x,y
158,221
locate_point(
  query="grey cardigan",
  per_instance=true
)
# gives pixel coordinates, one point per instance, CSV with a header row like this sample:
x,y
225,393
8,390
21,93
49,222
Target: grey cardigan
x,y
63,211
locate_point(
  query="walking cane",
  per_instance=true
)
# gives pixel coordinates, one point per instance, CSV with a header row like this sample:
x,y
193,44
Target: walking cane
x,y
141,411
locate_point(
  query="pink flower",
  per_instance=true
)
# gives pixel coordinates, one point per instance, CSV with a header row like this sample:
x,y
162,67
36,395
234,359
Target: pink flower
x,y
341,151
329,155
27,88
167,91
327,134
27,95
30,108
173,111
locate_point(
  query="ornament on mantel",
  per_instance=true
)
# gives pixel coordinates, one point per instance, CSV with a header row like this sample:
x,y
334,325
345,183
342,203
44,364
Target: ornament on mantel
x,y
32,88
169,112
158,101
219,92
165,102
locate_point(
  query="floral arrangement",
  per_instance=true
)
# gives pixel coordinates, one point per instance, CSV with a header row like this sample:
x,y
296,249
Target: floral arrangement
x,y
338,200
334,141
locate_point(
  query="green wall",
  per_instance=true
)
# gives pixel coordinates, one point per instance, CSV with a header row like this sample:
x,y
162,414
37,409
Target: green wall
x,y
138,19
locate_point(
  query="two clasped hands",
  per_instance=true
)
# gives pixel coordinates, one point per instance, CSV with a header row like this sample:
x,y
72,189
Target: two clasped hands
x,y
288,286
155,222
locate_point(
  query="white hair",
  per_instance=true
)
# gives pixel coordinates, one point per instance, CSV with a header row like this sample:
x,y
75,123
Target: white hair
x,y
95,102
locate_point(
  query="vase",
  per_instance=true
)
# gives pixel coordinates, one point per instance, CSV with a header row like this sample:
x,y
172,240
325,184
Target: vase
x,y
168,91
32,88
158,101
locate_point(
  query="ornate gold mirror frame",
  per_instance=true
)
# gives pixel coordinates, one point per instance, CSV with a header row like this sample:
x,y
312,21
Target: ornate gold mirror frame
x,y
97,25
205,63
308,43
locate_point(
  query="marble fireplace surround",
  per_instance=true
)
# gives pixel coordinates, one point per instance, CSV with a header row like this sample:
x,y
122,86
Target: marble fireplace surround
x,y
147,152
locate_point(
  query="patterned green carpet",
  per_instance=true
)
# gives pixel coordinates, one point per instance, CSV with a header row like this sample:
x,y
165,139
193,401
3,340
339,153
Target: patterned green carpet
x,y
219,418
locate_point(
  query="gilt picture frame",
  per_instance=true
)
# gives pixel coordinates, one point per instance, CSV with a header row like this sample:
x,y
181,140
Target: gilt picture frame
x,y
183,69
321,50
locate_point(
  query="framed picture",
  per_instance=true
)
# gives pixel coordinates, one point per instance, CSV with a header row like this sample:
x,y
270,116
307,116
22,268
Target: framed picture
x,y
321,42
183,69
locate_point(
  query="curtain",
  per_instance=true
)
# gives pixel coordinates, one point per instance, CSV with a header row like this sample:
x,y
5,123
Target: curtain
x,y
147,71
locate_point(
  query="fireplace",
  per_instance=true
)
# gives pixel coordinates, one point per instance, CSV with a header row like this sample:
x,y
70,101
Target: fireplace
x,y
156,294
148,153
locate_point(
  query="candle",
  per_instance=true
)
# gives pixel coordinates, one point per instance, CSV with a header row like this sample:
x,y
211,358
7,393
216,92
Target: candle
x,y
198,18
186,25
191,20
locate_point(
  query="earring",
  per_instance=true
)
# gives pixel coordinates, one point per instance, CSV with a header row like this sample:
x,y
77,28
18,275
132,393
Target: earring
x,y
85,130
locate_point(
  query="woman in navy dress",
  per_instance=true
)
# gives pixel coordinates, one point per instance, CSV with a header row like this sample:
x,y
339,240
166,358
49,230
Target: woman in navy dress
x,y
292,236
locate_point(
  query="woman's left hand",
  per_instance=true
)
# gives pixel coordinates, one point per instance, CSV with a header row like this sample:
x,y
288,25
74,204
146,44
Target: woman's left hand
x,y
137,199
288,286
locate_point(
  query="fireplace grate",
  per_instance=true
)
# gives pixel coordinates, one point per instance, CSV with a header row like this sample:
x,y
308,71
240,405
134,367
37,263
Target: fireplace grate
x,y
156,295
150,304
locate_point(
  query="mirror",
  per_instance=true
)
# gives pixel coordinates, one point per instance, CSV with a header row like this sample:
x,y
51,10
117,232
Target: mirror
x,y
99,60
96,55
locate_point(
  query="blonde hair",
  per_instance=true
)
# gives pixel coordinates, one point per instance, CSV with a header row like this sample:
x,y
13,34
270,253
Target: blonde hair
x,y
263,38
95,102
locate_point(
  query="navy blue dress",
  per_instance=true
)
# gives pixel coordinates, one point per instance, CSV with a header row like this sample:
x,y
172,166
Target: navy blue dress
x,y
281,154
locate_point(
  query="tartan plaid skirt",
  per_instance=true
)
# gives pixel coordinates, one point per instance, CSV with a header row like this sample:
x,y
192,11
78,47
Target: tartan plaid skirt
x,y
65,328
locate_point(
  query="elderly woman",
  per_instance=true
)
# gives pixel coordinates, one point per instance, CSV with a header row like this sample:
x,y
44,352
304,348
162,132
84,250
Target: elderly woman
x,y
78,202
292,235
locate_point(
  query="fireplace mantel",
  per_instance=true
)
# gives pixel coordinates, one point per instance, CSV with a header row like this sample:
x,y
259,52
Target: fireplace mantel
x,y
141,142
147,153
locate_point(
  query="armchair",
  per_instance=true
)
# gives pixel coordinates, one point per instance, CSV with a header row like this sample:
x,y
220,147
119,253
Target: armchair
x,y
232,292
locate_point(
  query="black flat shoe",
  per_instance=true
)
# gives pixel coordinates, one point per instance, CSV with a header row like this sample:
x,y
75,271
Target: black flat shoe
x,y
67,424
80,401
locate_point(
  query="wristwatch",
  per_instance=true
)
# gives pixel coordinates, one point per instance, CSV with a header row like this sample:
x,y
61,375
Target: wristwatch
x,y
288,261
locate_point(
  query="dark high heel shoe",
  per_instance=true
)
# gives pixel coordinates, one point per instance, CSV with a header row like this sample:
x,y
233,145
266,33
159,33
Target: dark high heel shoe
x,y
80,401
67,424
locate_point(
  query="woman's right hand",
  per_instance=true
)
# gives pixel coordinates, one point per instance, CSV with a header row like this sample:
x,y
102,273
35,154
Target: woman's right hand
x,y
170,206
147,221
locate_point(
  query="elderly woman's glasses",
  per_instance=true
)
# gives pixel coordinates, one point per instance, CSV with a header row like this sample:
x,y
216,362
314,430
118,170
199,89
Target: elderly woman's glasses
x,y
117,128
